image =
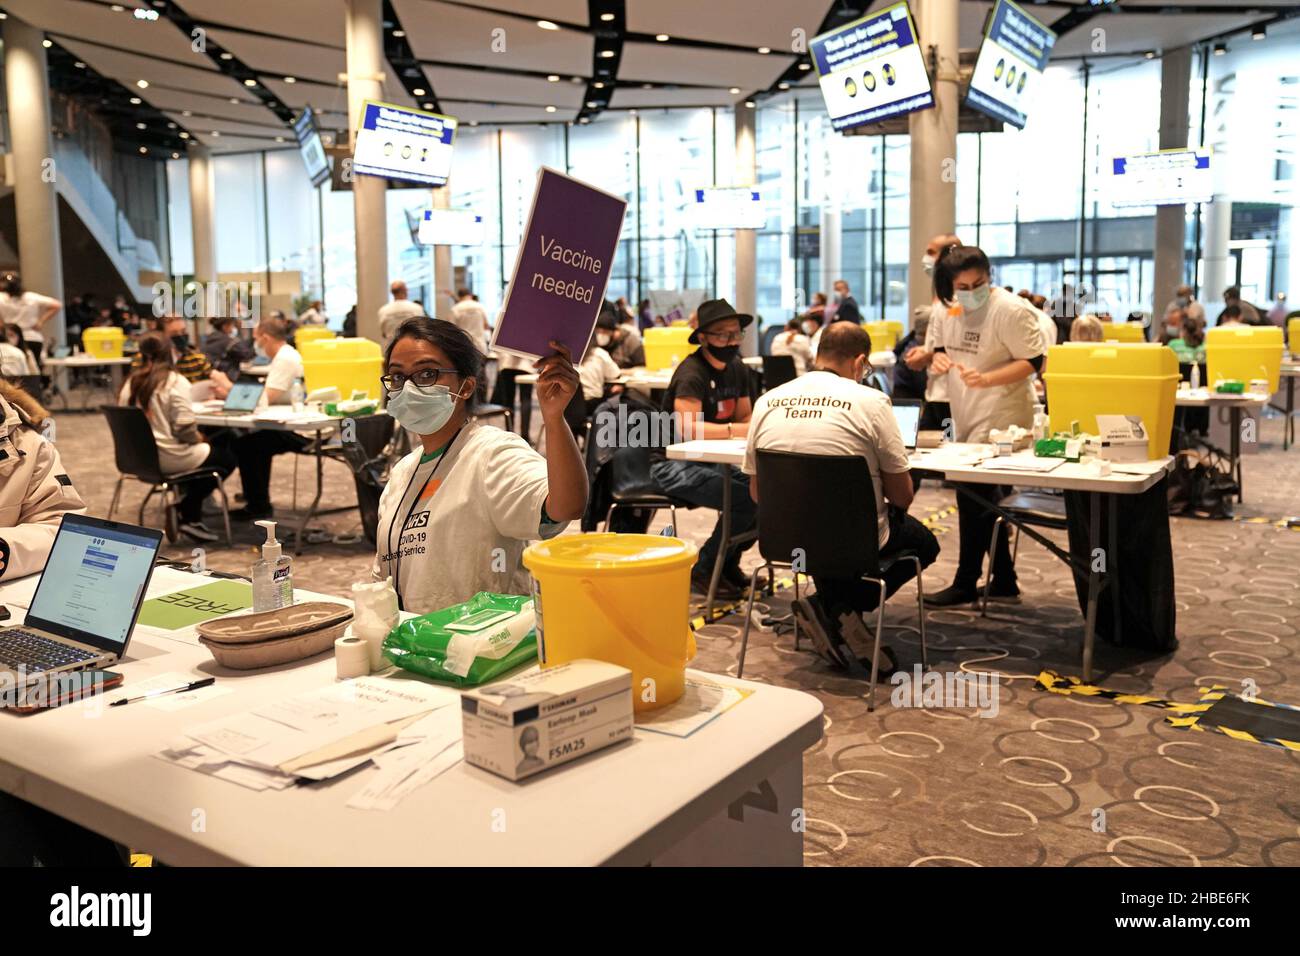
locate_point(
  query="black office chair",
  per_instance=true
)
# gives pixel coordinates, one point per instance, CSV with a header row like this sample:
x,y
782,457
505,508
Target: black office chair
x,y
1042,509
822,508
777,370
770,333
136,452
481,410
631,485
365,455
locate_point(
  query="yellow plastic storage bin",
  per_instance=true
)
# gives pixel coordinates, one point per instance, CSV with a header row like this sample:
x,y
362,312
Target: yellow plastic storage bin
x,y
621,598
1293,336
312,333
665,347
104,342
884,335
1087,379
1244,352
347,364
1123,332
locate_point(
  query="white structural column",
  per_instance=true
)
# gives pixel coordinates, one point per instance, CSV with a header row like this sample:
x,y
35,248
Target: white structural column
x,y
203,223
932,201
1171,221
746,240
36,202
444,292
365,60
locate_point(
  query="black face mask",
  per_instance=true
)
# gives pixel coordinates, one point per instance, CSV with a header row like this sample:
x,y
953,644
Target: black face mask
x,y
724,353
181,342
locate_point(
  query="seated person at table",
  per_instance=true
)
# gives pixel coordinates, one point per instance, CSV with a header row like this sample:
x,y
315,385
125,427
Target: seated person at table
x,y
15,360
256,449
35,490
1086,328
458,510
794,343
1189,346
156,387
188,361
223,347
621,340
859,421
599,377
708,396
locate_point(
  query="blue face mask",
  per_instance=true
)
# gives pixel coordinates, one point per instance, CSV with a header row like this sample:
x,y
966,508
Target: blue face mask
x,y
422,410
973,300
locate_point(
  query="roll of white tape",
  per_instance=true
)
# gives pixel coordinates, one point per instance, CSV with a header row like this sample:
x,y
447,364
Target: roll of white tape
x,y
351,657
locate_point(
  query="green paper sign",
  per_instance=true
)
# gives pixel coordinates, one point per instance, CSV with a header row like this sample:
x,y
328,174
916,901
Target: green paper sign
x,y
171,612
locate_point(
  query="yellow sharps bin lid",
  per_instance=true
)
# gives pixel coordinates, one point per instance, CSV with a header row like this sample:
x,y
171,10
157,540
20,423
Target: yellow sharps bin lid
x,y
608,553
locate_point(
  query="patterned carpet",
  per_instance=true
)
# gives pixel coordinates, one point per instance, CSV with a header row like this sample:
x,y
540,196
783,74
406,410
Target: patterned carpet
x,y
1049,779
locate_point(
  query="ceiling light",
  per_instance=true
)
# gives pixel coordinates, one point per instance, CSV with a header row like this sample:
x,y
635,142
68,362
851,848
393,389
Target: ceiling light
x,y
279,139
631,112
765,49
593,104
473,122
79,65
216,132
47,43
171,125
186,113
576,79
140,126
250,83
1259,32
399,33
117,8
734,90
749,103
805,66
552,78
606,54
143,150
1150,54
141,14
184,135
227,56
1220,49
136,101
428,106
235,100
176,155
661,37
548,25
598,86
583,120
290,79
783,86
418,91
647,86
143,84
3,15
607,17
550,109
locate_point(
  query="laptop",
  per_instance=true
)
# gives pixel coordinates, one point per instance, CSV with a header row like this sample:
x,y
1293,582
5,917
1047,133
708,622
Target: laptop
x,y
242,398
86,603
907,412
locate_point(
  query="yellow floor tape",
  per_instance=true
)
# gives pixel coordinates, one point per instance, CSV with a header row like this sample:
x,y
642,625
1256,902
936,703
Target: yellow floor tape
x,y
141,859
722,610
1183,716
1287,524
932,520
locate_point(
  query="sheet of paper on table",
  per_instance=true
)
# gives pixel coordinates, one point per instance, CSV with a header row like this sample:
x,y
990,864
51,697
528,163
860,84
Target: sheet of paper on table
x,y
703,702
19,593
423,751
1026,463
166,681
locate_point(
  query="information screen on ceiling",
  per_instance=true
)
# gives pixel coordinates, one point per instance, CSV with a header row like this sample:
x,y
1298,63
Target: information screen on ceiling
x,y
451,227
1010,65
872,69
729,207
311,148
1171,177
398,142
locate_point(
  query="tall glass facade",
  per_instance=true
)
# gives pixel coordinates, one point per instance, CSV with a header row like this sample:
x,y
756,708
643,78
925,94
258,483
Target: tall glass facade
x,y
1037,200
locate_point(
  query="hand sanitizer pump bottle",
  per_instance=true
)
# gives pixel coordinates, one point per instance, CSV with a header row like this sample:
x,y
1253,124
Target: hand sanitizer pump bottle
x,y
272,575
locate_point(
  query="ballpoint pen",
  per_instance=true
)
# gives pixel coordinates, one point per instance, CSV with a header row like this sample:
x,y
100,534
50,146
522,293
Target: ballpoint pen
x,y
194,685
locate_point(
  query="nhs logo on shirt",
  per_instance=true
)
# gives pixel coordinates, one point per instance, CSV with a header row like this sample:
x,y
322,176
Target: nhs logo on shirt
x,y
418,520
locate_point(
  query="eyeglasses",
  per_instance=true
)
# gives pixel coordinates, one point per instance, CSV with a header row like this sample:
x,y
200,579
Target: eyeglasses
x,y
723,338
421,378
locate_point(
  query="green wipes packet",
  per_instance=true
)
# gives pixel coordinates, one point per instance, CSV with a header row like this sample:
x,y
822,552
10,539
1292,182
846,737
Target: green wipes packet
x,y
467,644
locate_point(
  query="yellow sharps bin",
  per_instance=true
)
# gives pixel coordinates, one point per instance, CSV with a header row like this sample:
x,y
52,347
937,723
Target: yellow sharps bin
x,y
884,335
347,364
666,347
1087,379
311,333
104,341
1123,332
1244,352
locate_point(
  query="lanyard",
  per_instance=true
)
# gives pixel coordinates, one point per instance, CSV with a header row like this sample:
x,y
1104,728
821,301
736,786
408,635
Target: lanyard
x,y
397,552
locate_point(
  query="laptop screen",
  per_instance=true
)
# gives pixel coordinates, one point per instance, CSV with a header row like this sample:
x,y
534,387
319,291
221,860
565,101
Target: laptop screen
x,y
94,581
909,421
243,396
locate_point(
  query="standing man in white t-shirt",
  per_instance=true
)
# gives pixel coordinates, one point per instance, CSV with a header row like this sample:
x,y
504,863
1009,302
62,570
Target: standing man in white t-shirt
x,y
936,410
392,314
470,316
853,420
989,351
258,446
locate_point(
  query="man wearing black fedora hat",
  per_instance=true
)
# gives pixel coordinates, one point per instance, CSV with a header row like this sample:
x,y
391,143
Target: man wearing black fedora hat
x,y
709,395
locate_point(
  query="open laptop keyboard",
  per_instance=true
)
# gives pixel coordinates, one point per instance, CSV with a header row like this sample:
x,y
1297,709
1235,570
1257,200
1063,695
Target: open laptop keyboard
x,y
35,652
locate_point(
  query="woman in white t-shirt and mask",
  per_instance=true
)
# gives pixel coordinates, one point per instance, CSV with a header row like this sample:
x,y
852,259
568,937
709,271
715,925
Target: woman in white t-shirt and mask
x,y
989,354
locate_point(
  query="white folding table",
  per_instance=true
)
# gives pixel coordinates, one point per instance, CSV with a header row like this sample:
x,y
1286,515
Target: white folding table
x,y
731,793
1204,398
60,366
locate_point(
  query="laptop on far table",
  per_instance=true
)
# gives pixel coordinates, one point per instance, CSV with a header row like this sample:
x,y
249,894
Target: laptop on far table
x,y
86,603
242,398
907,412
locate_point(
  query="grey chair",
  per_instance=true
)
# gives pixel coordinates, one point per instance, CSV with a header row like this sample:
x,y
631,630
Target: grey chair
x,y
136,452
1042,509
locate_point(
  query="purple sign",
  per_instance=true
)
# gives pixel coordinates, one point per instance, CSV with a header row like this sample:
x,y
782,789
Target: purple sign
x,y
562,267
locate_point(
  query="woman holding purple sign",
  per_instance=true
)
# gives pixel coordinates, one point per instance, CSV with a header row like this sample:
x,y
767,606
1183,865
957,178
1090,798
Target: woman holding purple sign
x,y
458,510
